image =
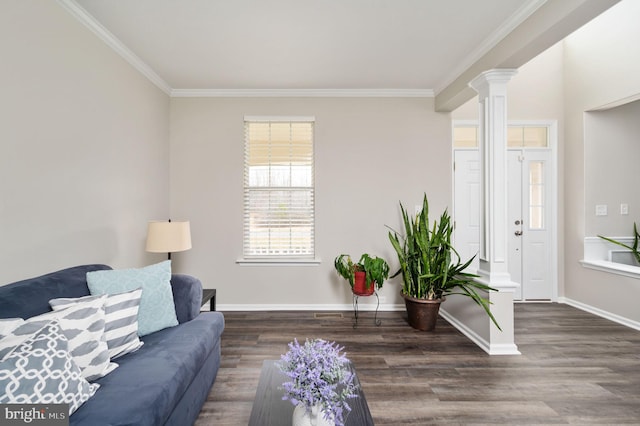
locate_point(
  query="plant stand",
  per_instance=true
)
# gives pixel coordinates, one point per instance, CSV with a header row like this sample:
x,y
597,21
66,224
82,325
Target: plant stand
x,y
376,321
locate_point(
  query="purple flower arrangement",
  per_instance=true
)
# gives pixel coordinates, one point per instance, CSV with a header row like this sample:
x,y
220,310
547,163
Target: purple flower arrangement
x,y
319,375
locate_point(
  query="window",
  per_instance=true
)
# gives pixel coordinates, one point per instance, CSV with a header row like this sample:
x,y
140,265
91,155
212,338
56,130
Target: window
x,y
536,195
466,136
527,137
278,188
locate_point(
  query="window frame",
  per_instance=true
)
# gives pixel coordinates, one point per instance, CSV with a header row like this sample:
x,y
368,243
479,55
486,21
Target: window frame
x,y
276,259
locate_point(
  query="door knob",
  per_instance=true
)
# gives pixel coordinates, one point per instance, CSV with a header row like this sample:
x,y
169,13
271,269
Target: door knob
x,y
517,222
518,233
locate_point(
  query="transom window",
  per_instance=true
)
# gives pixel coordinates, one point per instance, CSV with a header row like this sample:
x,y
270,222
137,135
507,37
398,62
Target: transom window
x,y
466,136
527,137
278,188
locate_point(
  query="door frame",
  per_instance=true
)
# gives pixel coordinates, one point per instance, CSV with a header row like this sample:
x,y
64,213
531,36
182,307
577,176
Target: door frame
x,y
552,125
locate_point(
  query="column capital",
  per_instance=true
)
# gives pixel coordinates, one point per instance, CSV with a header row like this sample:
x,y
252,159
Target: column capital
x,y
491,78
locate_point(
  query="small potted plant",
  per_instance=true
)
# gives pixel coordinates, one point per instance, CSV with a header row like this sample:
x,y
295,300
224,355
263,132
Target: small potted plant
x,y
365,276
320,382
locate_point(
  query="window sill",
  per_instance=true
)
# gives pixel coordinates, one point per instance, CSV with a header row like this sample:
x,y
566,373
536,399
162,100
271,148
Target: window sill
x,y
278,262
613,267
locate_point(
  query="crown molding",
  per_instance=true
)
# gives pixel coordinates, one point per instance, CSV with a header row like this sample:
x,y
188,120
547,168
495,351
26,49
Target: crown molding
x,y
302,93
112,41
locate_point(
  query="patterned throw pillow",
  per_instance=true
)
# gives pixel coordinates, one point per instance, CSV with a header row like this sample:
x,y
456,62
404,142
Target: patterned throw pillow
x,y
7,325
157,310
41,371
82,325
121,320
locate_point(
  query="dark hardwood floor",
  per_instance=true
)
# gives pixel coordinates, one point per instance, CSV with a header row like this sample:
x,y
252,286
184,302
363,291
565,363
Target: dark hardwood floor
x,y
575,368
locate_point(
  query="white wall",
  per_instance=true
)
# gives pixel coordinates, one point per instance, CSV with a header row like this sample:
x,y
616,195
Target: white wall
x,y
84,147
601,67
371,153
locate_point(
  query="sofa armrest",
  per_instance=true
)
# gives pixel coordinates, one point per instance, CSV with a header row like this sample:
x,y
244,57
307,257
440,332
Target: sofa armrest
x,y
187,296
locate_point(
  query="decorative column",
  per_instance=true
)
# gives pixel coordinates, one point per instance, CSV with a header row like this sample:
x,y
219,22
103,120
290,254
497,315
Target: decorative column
x,y
493,270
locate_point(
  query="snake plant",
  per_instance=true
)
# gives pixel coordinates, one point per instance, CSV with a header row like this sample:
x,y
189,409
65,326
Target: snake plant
x,y
634,247
431,267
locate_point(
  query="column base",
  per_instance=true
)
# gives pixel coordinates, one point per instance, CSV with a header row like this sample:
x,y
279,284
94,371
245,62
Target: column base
x,y
499,280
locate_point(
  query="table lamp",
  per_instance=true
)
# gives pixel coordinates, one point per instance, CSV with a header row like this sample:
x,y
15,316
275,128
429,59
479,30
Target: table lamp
x,y
168,237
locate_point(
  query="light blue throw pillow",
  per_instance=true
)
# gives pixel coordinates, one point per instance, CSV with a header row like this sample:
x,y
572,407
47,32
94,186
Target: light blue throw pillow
x,y
157,310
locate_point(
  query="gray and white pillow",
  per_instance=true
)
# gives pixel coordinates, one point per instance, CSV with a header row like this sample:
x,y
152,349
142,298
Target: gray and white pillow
x,y
41,371
6,326
82,325
121,319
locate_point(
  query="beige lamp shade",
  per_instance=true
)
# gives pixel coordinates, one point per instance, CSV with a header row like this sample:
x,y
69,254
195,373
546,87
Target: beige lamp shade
x,y
168,237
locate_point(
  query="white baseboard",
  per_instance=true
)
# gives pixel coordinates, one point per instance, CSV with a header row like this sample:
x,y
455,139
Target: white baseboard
x,y
601,313
504,349
472,335
491,349
308,307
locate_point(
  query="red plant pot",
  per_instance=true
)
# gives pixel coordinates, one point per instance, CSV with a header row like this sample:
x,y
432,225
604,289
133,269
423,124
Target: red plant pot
x,y
360,285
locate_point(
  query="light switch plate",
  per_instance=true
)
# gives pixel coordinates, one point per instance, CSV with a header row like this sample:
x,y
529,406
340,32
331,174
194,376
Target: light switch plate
x,y
624,208
601,210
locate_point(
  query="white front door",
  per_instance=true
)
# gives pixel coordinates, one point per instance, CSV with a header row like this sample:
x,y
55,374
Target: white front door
x,y
530,217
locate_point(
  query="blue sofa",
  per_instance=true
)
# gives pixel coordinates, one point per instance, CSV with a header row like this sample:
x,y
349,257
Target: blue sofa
x,y
166,381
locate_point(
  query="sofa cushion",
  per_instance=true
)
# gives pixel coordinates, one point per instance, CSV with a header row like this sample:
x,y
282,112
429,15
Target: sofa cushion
x,y
121,319
31,297
157,309
158,374
82,325
41,371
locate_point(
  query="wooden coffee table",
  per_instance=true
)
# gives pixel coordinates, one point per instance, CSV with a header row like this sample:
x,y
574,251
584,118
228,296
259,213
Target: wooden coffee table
x,y
270,409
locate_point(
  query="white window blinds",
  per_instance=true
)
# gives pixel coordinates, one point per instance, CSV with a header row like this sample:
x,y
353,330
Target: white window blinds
x,y
278,189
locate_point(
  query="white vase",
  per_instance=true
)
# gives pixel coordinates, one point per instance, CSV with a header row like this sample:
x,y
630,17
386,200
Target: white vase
x,y
313,417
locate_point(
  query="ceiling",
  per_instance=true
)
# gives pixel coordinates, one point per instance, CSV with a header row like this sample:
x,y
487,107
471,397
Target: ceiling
x,y
412,45
425,48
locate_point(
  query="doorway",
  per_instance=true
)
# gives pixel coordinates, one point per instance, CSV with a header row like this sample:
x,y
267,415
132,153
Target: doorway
x,y
531,211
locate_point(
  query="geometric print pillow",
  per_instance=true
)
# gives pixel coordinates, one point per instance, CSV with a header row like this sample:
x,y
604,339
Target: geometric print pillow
x,y
82,325
121,319
41,371
157,308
